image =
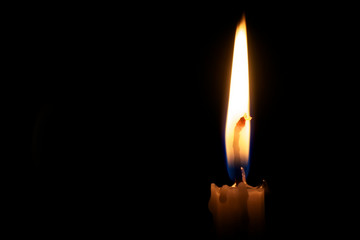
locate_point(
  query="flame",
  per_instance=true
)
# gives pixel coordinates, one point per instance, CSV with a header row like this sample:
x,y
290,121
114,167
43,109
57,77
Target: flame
x,y
237,130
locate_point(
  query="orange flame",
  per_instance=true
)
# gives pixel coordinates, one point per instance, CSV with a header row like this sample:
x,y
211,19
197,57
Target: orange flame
x,y
237,140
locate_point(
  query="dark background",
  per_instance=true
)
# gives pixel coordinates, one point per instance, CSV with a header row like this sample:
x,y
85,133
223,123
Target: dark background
x,y
118,115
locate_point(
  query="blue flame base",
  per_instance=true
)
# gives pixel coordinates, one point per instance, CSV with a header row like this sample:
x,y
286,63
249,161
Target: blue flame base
x,y
235,171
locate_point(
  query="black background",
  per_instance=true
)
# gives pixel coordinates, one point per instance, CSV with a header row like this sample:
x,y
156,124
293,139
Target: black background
x,y
119,115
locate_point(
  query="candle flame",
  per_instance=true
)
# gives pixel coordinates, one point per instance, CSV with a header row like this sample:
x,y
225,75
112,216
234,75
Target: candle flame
x,y
237,130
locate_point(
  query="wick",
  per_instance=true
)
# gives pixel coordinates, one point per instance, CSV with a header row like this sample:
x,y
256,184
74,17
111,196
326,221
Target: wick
x,y
238,127
243,177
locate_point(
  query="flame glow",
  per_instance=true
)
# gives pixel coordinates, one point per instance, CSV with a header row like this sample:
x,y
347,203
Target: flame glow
x,y
238,107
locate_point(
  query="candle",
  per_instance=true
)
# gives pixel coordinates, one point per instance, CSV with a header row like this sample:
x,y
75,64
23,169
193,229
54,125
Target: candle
x,y
238,210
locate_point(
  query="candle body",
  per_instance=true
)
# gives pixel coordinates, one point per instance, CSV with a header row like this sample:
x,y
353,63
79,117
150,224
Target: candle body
x,y
237,211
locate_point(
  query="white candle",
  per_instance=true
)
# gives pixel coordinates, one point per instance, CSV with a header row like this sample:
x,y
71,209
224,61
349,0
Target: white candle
x,y
238,210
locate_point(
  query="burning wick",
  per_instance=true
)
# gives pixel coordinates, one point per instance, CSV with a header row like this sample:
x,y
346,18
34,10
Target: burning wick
x,y
243,178
238,127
